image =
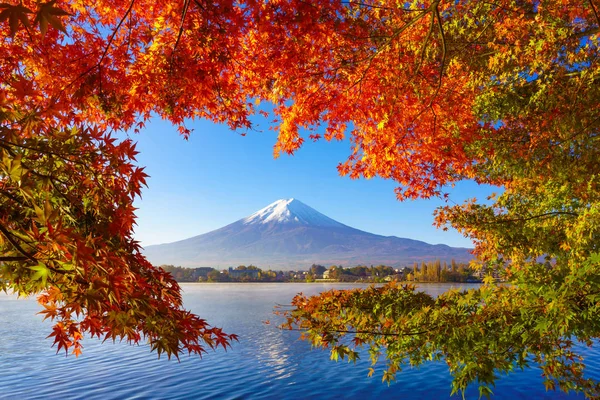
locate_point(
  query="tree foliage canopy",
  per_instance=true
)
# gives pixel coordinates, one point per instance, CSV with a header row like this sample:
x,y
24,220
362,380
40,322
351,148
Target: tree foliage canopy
x,y
428,92
507,94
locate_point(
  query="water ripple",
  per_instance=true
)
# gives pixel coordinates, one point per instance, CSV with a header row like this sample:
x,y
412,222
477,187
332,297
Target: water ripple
x,y
266,364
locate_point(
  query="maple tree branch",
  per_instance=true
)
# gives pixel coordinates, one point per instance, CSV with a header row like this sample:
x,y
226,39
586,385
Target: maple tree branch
x,y
578,35
588,32
358,332
130,25
580,131
186,5
396,33
424,45
548,214
99,63
37,149
28,167
501,7
595,11
50,178
356,3
485,28
12,197
438,19
15,258
434,117
112,37
16,245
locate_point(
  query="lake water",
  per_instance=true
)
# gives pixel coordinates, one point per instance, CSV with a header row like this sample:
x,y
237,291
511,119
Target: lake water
x,y
266,363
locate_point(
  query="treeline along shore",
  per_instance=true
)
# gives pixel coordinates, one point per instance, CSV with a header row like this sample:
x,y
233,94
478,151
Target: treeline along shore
x,y
433,271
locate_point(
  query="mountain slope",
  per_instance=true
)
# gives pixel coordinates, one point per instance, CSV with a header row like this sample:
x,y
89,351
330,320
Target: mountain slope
x,y
288,234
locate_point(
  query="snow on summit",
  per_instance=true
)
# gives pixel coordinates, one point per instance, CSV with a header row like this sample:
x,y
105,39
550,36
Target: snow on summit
x,y
291,211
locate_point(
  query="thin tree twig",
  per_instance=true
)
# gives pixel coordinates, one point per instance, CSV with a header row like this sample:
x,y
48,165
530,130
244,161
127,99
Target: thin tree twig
x,y
108,45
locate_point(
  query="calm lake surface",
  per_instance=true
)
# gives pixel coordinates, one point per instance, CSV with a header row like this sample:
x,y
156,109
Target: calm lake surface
x,y
266,363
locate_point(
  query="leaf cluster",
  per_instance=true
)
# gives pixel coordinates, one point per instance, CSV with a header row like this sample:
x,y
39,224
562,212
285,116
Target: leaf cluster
x,y
480,333
66,233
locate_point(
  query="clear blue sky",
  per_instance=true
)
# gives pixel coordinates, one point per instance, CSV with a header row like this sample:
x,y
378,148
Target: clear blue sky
x,y
219,176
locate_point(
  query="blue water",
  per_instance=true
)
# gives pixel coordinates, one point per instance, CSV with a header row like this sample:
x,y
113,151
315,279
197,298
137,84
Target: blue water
x,y
266,364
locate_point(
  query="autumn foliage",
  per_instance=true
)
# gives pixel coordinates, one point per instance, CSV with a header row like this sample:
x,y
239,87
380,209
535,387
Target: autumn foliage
x,y
67,184
507,94
428,92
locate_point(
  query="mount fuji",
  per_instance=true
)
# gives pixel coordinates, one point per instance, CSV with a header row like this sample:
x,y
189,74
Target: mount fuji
x,y
288,234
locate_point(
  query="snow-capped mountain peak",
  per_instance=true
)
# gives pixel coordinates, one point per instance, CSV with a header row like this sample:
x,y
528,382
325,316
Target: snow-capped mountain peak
x,y
290,211
288,234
